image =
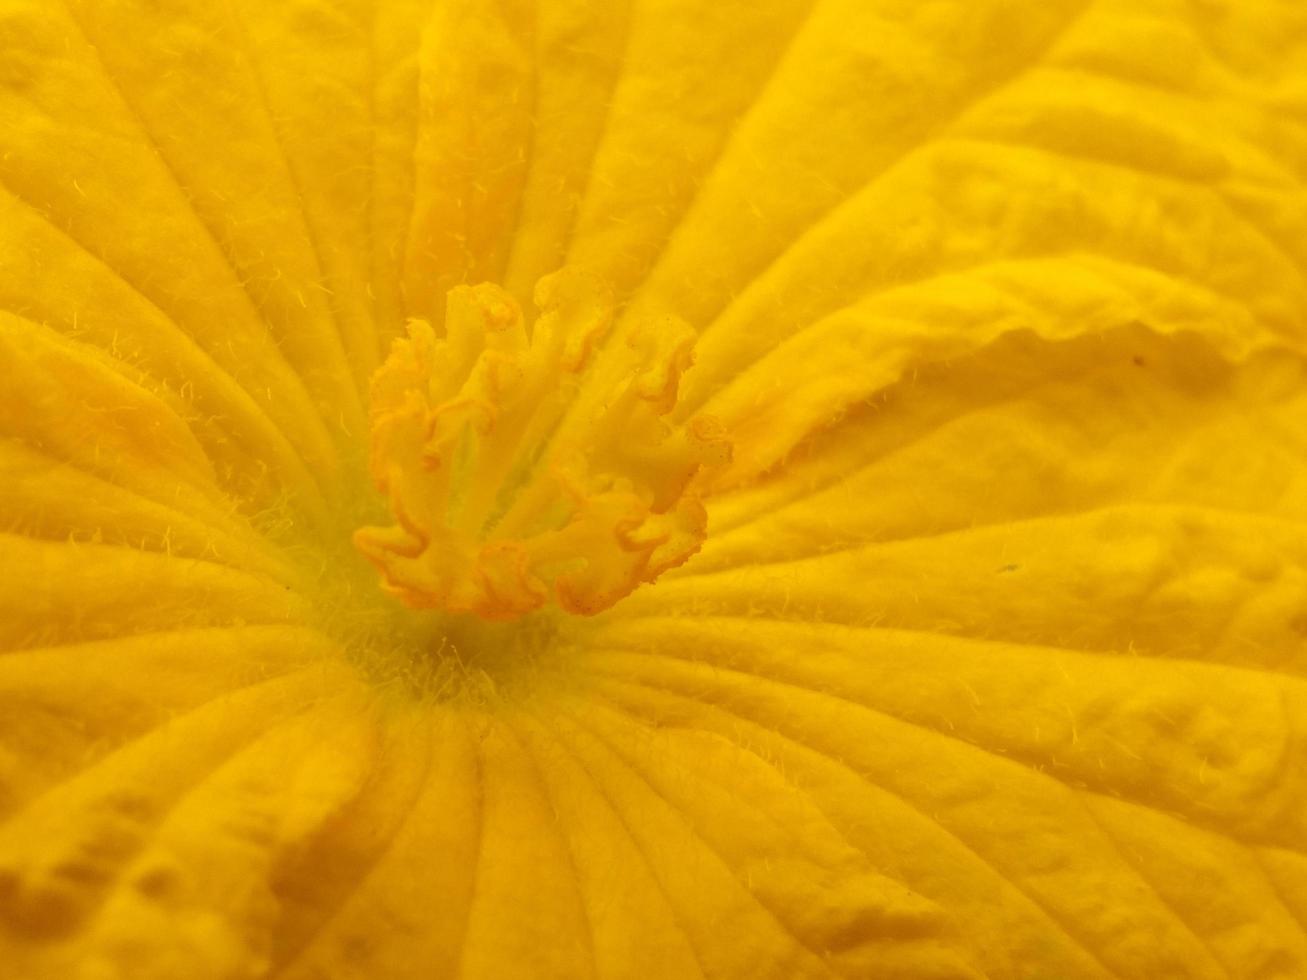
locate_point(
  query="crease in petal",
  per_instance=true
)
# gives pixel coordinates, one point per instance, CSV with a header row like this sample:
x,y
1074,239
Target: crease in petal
x,y
65,852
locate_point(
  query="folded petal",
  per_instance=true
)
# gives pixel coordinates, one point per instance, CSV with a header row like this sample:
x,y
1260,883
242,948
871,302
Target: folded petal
x,y
1124,492
161,854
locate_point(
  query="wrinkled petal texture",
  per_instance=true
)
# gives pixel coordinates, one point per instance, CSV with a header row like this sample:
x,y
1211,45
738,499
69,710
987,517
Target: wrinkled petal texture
x,y
992,664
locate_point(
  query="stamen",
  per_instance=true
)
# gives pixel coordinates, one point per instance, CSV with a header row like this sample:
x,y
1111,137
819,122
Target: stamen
x,y
483,524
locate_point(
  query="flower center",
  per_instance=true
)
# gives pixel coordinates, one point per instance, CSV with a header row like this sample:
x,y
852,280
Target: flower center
x,y
496,515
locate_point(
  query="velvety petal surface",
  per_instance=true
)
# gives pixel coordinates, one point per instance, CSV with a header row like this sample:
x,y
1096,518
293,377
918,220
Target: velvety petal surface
x,y
992,664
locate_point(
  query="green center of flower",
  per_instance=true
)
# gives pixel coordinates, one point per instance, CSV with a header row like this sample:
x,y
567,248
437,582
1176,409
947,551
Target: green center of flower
x,y
496,513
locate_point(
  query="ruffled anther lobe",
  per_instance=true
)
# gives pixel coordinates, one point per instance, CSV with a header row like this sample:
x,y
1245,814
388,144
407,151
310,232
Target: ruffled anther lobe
x,y
491,518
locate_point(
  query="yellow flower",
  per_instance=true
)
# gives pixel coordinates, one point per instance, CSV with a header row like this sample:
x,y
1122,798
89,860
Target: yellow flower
x,y
879,552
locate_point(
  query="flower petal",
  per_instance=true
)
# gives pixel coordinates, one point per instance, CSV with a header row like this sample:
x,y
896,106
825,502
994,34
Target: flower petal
x,y
991,665
1037,877
1042,603
161,854
1124,492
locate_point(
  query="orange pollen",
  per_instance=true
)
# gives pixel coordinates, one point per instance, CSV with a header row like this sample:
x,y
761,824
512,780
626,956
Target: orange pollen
x,y
503,500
